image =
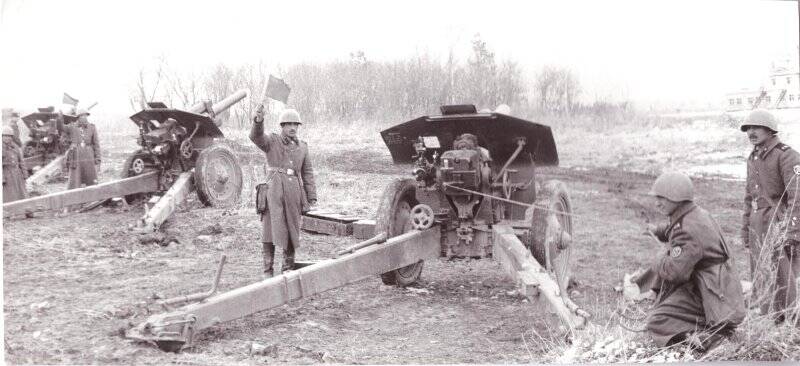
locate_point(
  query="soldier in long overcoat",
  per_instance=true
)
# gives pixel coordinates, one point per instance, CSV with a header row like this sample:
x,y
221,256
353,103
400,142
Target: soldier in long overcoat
x,y
290,186
772,204
83,157
14,172
699,295
11,119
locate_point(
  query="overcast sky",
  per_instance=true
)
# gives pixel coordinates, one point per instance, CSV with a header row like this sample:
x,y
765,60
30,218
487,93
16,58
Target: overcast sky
x,y
667,51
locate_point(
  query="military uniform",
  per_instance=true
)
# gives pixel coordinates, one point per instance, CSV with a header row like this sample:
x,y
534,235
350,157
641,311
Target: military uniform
x,y
84,154
697,285
11,118
771,202
14,173
290,181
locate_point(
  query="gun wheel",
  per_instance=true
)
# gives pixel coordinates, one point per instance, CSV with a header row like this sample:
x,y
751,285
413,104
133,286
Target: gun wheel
x,y
218,176
170,346
395,218
551,231
133,166
422,217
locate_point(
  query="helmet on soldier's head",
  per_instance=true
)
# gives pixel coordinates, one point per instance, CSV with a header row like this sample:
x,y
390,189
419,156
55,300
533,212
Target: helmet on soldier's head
x,y
673,186
289,116
760,117
8,130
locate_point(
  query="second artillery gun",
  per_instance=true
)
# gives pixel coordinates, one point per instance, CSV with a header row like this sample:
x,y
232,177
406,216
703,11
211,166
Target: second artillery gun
x,y
44,152
179,151
467,199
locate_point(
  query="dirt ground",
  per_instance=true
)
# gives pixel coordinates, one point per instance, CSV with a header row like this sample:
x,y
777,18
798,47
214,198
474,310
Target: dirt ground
x,y
73,284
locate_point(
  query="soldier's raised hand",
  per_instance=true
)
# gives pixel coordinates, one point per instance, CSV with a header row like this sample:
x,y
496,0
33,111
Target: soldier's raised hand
x,y
259,113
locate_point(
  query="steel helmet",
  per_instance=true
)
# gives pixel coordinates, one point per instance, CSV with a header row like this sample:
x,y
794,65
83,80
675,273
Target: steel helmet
x,y
8,130
289,116
760,117
82,112
673,186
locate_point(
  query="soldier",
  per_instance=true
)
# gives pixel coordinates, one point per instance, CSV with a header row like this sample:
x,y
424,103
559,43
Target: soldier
x,y
770,201
289,185
470,141
11,118
14,172
699,294
83,158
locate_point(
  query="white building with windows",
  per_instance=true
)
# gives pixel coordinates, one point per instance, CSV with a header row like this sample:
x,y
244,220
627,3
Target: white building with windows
x,y
780,90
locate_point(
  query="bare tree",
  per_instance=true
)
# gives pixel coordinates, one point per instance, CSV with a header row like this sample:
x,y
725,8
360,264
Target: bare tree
x,y
557,90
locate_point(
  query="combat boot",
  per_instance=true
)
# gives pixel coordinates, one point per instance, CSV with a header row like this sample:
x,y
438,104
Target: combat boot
x,y
269,256
288,259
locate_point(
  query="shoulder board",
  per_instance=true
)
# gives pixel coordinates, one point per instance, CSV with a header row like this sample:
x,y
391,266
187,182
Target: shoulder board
x,y
783,146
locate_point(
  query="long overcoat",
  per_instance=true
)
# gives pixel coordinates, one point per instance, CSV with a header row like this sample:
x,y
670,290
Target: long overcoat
x,y
83,155
772,201
698,286
290,180
13,173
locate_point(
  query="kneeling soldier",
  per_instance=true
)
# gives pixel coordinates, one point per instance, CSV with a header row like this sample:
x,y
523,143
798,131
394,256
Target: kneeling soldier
x,y
699,293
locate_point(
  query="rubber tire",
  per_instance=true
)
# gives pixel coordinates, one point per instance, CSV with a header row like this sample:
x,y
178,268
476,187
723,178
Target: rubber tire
x,y
398,195
126,173
170,346
205,189
553,194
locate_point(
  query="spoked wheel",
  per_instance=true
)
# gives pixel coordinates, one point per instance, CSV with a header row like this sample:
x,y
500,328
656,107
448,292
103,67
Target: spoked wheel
x,y
395,218
134,165
551,231
218,176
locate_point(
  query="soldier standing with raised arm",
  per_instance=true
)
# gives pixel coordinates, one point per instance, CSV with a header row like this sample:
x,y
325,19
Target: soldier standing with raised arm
x,y
289,188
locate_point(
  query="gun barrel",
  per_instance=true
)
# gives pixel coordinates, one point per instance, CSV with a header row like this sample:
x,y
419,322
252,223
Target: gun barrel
x,y
232,99
222,105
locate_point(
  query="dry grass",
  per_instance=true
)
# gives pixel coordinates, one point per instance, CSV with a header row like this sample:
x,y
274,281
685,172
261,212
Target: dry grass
x,y
641,145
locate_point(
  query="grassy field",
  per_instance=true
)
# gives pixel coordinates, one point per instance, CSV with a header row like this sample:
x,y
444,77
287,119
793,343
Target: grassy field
x,y
73,283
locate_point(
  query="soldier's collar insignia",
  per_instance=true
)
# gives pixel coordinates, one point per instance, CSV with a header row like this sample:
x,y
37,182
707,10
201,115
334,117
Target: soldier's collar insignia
x,y
675,252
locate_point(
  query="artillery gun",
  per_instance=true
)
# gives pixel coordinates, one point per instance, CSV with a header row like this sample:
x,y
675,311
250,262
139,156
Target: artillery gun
x,y
179,151
44,152
464,201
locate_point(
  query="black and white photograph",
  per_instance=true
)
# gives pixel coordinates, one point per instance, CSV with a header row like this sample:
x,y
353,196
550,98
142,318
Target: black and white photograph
x,y
400,182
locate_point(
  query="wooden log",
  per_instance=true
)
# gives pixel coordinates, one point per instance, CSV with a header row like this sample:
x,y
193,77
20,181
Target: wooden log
x,y
328,223
147,182
42,175
168,203
531,277
396,252
364,229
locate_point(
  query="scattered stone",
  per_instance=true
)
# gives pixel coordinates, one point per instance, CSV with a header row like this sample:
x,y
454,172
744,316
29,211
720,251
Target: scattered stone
x,y
40,306
418,290
151,238
327,358
263,350
211,230
512,293
202,240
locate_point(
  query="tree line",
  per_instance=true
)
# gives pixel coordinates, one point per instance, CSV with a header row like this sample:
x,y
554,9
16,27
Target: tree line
x,y
364,89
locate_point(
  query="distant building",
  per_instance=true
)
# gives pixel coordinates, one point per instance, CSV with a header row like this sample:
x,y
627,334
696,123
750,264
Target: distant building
x,y
780,90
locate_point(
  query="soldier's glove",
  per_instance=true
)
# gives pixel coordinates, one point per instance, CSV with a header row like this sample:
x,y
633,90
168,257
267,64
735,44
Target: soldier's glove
x,y
259,113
